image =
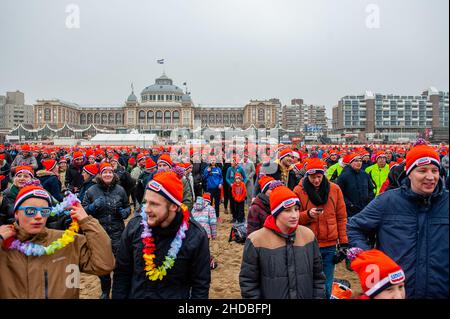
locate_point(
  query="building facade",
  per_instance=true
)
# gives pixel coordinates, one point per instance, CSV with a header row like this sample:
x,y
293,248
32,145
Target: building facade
x,y
397,115
14,111
300,117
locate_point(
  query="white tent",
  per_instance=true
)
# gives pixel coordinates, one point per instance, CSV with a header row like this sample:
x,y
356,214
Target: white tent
x,y
140,140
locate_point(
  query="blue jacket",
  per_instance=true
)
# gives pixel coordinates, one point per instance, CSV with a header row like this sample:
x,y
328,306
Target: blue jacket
x,y
51,184
213,179
232,171
357,188
413,231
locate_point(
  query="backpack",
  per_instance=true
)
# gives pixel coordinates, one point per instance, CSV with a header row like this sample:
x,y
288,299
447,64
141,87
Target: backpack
x,y
238,233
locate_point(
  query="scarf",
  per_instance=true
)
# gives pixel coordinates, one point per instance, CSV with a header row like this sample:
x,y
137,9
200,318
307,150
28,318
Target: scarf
x,y
271,224
317,197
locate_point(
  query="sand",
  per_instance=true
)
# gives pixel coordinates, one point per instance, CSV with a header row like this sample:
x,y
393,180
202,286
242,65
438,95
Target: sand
x,y
225,278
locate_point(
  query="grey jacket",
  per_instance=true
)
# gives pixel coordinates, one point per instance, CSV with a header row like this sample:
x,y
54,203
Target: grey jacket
x,y
277,266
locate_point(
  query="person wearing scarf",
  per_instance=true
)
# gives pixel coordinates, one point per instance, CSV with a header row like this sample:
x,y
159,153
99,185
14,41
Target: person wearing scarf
x,y
282,259
323,211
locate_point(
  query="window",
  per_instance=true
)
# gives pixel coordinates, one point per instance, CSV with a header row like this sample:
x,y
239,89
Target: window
x,y
47,115
141,117
159,116
150,117
167,117
97,118
261,115
176,116
89,118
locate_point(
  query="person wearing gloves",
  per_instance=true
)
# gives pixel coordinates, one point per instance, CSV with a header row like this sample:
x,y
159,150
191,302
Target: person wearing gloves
x,y
107,201
39,263
379,275
282,259
322,209
411,225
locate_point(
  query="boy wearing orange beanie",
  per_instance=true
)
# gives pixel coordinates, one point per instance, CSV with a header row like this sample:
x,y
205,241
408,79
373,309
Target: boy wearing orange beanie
x,y
239,193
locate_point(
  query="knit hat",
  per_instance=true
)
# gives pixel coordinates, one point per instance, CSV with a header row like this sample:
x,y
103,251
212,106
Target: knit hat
x,y
285,152
296,155
2,156
131,161
149,163
380,154
421,155
24,169
91,169
90,153
348,158
104,166
165,158
77,154
207,197
238,175
32,191
62,160
115,158
49,164
264,183
366,262
25,148
314,166
281,198
168,185
140,157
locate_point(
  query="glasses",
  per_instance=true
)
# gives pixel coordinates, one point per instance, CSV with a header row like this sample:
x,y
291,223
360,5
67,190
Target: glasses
x,y
31,211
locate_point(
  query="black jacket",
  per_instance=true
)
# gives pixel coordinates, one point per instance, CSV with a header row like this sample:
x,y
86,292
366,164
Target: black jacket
x,y
51,183
4,171
142,182
86,185
197,172
125,180
190,276
74,177
357,188
109,217
7,207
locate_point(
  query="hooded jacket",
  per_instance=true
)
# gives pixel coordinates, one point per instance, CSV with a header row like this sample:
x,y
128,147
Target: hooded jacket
x,y
413,231
190,276
205,215
47,276
74,177
279,266
258,212
51,183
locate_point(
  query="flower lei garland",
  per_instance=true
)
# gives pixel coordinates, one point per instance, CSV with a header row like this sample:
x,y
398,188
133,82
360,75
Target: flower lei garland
x,y
33,249
157,273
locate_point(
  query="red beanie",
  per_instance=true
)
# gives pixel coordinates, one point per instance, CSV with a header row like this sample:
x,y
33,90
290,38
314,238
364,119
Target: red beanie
x,y
131,161
367,263
25,148
2,156
115,158
24,169
165,158
421,155
62,160
238,175
264,183
285,152
104,166
350,157
91,169
149,163
168,185
77,154
380,154
315,165
49,164
207,197
280,198
140,157
32,191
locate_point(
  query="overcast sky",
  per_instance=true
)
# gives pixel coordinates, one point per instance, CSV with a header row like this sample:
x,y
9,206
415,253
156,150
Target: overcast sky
x,y
228,51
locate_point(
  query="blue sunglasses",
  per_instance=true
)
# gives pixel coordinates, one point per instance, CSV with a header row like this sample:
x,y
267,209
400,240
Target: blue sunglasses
x,y
31,211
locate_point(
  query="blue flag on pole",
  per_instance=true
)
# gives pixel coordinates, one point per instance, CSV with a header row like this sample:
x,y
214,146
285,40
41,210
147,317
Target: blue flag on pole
x,y
161,61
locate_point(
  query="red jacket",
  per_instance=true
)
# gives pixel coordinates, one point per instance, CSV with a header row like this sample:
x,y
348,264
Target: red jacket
x,y
238,191
331,225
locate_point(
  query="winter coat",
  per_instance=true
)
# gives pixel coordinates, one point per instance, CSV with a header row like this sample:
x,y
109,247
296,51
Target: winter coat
x,y
357,188
277,266
393,177
142,182
7,207
413,231
4,171
331,225
51,183
74,177
47,276
187,194
274,170
214,178
239,192
190,276
258,212
28,161
231,172
445,163
378,176
197,172
109,217
249,169
86,185
8,157
125,180
205,215
334,171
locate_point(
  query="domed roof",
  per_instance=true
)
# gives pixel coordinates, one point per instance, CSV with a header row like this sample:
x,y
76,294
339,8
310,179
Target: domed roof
x,y
132,98
186,98
163,84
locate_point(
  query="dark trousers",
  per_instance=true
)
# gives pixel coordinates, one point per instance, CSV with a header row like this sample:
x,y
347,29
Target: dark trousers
x,y
226,194
198,190
238,211
215,199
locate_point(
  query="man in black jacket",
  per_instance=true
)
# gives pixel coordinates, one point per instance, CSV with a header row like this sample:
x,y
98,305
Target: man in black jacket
x,y
74,179
190,274
199,167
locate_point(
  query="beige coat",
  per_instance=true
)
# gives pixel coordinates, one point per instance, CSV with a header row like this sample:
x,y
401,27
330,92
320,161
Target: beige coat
x,y
54,276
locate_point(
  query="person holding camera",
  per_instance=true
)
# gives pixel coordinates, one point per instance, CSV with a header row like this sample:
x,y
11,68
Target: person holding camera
x,y
323,211
107,201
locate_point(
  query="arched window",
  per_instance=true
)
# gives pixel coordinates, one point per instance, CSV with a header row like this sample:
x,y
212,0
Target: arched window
x,y
233,119
167,116
239,119
226,119
82,119
204,119
97,118
47,114
212,119
176,117
219,119
89,118
111,119
261,115
141,117
159,116
104,118
150,117
118,118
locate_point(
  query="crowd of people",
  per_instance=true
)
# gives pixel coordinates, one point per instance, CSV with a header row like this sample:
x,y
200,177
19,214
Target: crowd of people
x,y
142,219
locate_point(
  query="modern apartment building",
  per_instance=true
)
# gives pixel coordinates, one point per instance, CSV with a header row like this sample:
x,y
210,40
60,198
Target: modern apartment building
x,y
301,117
13,110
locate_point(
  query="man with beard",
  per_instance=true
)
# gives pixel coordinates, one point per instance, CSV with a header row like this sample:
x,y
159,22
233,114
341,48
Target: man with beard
x,y
147,263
